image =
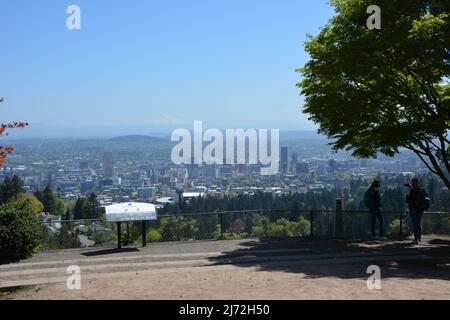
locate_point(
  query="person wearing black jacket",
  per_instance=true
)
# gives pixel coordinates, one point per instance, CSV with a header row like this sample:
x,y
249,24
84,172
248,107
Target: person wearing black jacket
x,y
414,200
373,203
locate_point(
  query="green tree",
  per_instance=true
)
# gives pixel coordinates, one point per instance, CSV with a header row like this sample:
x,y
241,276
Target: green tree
x,y
11,188
59,208
47,198
79,209
34,203
52,204
20,232
93,207
377,91
87,208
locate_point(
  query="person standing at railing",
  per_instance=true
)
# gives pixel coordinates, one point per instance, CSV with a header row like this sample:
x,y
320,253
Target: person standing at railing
x,y
418,201
372,200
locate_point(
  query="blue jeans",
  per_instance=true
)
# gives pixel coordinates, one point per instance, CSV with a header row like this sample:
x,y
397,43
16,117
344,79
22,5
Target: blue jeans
x,y
416,220
377,215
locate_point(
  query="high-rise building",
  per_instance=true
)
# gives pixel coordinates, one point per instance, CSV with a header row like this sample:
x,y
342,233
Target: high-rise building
x,y
332,165
87,186
193,171
108,168
294,161
211,171
284,160
303,167
146,193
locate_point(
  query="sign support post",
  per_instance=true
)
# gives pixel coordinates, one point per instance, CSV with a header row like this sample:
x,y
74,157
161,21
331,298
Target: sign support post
x,y
119,235
144,233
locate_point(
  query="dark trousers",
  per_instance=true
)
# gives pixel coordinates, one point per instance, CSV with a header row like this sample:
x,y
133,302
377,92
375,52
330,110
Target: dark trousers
x,y
376,214
416,220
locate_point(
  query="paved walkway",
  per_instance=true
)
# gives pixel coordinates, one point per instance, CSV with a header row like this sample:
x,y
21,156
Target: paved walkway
x,y
158,270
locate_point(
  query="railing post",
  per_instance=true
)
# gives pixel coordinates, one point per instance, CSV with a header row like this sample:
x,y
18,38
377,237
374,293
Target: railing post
x,y
128,234
339,220
401,224
221,226
311,218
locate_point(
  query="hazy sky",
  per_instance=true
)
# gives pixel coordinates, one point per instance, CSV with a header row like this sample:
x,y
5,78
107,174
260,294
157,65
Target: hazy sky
x,y
158,63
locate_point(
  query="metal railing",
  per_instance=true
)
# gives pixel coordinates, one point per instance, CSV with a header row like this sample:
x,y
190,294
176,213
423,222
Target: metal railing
x,y
234,225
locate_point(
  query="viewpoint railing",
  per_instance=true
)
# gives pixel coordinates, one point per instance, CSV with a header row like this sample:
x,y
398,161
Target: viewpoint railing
x,y
239,224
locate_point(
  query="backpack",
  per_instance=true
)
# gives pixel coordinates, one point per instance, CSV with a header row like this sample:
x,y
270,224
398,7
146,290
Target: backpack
x,y
368,199
424,201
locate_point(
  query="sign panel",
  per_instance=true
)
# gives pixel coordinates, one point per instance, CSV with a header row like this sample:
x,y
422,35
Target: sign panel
x,y
131,211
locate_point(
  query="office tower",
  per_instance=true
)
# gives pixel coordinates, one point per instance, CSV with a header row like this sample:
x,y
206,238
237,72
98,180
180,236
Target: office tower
x,y
146,193
294,161
303,167
332,165
284,165
108,169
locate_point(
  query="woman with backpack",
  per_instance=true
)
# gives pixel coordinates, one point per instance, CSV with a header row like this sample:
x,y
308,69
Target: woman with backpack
x,y
372,200
418,202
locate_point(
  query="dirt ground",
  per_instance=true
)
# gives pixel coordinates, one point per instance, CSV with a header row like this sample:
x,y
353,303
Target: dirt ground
x,y
294,280
235,283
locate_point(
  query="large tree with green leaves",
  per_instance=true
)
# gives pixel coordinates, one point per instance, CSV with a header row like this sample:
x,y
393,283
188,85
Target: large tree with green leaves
x,y
10,188
89,208
382,90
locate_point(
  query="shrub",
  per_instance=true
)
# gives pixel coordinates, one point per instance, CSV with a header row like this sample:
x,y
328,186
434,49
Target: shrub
x,y
257,231
180,228
394,228
284,228
277,230
303,227
234,236
100,238
154,236
20,232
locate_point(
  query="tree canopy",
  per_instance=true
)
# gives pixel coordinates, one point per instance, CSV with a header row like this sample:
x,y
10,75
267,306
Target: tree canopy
x,y
87,208
10,188
51,203
378,91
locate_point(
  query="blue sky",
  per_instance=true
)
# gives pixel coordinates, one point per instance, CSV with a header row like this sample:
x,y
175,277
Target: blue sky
x,y
156,63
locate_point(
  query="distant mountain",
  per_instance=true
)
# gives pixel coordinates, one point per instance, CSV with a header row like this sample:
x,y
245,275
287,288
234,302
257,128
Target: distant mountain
x,y
136,134
39,131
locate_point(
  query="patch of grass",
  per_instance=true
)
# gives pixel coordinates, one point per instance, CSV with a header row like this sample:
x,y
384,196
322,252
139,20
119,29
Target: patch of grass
x,y
5,293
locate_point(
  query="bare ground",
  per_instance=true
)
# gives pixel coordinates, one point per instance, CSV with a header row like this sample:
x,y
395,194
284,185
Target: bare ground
x,y
236,283
327,279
